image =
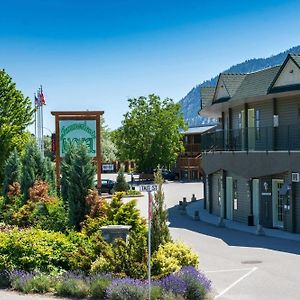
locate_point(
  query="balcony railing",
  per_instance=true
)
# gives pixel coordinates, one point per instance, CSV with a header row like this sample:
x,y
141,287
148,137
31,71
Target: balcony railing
x,y
282,138
192,147
189,162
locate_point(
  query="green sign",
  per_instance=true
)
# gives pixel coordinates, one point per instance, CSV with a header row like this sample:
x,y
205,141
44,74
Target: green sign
x,y
77,131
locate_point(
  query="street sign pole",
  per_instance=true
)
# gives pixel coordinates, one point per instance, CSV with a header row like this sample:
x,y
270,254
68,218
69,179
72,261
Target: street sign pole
x,y
149,242
149,188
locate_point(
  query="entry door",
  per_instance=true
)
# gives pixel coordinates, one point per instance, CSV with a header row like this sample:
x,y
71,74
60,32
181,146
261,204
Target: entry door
x,y
229,198
251,129
255,195
277,200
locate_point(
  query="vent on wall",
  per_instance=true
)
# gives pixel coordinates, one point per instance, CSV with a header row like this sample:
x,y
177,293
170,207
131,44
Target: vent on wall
x,y
295,177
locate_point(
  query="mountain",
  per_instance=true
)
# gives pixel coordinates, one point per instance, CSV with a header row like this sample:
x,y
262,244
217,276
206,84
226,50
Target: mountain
x,y
190,104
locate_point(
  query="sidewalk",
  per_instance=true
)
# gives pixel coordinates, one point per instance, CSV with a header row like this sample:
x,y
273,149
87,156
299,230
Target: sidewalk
x,y
212,219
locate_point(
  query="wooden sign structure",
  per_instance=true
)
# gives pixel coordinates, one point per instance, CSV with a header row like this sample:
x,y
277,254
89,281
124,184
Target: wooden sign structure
x,y
78,126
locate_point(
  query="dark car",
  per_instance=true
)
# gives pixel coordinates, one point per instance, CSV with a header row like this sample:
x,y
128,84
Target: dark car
x,y
107,185
169,175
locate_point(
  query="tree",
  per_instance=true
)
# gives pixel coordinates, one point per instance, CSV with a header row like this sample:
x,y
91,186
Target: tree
x,y
108,147
15,115
80,178
12,171
121,184
150,133
33,168
160,233
49,175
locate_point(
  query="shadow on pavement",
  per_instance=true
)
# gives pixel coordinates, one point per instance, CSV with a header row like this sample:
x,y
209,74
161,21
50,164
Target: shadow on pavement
x,y
230,236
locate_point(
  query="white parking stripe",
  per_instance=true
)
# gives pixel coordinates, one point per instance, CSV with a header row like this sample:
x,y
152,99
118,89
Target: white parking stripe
x,y
236,282
228,270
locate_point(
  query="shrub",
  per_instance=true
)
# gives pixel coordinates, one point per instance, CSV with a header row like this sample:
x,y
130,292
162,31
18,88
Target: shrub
x,y
33,168
198,285
72,287
133,193
80,176
12,171
99,285
121,184
160,233
4,279
126,288
102,265
171,257
21,281
35,249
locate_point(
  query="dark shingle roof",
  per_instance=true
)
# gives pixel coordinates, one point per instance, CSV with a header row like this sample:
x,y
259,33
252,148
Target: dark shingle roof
x,y
207,94
256,83
232,82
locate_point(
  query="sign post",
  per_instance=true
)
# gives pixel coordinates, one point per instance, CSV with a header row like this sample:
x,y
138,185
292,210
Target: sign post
x,y
149,188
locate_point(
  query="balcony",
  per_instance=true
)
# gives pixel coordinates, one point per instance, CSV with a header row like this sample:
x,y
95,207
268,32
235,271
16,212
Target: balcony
x,y
189,162
195,148
282,138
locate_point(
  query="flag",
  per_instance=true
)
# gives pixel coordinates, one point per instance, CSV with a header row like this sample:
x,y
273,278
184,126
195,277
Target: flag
x,y
36,100
42,97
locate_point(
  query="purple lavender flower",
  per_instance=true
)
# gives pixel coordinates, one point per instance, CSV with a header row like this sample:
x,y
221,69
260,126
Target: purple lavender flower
x,y
173,283
126,289
189,273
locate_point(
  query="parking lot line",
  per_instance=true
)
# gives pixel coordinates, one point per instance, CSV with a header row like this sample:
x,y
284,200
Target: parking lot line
x,y
228,270
236,282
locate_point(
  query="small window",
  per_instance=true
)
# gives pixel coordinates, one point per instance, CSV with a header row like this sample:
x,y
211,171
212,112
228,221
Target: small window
x,y
235,195
257,124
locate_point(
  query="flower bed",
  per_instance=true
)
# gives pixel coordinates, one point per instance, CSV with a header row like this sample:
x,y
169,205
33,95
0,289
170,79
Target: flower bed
x,y
188,283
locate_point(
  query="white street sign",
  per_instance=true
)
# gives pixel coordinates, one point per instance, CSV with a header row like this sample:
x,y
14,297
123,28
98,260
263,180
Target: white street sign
x,y
148,188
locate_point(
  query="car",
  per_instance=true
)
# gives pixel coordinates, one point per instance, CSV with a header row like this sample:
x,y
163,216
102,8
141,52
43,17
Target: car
x,y
169,175
107,185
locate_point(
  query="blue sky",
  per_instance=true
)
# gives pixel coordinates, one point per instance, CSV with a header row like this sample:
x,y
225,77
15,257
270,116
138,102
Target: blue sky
x,y
96,54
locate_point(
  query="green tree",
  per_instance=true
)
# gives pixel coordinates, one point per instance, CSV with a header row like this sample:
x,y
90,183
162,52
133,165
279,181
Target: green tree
x,y
12,171
15,115
121,184
80,178
33,167
108,147
48,147
49,175
160,233
150,132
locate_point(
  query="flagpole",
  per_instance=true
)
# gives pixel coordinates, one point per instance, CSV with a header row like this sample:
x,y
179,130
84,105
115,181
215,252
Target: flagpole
x,y
34,97
42,126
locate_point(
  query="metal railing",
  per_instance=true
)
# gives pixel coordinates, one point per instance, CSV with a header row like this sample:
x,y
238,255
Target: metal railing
x,y
282,138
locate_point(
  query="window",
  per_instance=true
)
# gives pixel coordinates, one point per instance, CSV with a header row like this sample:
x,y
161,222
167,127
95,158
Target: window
x,y
235,195
257,124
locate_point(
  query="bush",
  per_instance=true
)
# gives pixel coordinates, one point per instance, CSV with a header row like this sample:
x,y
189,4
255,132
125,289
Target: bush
x,y
72,287
121,184
198,285
4,279
21,281
126,288
133,193
99,285
35,249
170,257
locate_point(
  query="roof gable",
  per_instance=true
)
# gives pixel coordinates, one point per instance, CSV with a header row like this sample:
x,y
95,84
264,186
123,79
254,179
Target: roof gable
x,y
227,86
221,91
288,74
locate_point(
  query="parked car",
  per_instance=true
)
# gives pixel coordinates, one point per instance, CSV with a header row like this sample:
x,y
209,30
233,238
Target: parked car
x,y
107,185
169,175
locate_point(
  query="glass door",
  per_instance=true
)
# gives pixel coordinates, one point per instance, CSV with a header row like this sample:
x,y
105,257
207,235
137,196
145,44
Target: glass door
x,y
277,200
